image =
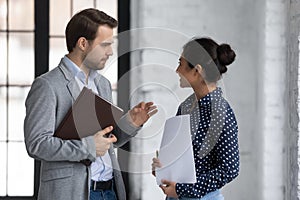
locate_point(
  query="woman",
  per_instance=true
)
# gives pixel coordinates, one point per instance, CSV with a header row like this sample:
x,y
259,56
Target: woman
x,y
213,125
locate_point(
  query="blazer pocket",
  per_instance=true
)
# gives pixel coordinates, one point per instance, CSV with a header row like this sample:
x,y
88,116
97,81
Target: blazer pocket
x,y
57,173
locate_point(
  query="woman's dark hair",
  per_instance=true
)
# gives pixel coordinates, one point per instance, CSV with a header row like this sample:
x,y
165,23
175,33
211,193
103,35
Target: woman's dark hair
x,y
85,24
212,57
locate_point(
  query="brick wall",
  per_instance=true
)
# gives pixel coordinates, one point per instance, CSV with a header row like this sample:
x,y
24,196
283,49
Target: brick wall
x,y
273,101
256,85
292,130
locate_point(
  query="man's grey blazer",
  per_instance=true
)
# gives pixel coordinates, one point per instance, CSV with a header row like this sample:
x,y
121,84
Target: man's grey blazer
x,y
62,176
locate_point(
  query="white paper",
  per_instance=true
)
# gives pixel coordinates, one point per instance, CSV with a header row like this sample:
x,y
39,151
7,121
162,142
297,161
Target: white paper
x,y
176,152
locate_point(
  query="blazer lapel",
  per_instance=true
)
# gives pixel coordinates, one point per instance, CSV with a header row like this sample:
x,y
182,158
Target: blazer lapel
x,y
72,85
99,88
103,87
73,89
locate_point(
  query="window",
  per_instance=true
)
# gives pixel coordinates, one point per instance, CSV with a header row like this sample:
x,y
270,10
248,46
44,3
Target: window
x,y
17,71
60,14
16,75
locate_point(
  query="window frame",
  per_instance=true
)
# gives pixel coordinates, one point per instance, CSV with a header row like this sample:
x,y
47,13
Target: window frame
x,y
41,66
40,17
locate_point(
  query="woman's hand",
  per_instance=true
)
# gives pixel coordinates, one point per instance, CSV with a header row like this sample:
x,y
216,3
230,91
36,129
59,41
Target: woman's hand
x,y
155,163
169,188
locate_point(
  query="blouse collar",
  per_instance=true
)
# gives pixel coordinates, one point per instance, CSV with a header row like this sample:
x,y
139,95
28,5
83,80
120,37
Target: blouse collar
x,y
211,96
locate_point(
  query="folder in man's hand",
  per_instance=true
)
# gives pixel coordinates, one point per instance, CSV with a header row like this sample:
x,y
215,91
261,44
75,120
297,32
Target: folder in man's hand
x,y
89,114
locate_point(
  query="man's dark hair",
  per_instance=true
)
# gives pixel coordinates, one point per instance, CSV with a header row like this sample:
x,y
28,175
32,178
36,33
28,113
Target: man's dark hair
x,y
85,24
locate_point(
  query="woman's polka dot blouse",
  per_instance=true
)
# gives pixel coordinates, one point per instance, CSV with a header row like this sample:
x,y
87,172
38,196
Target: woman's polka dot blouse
x,y
215,143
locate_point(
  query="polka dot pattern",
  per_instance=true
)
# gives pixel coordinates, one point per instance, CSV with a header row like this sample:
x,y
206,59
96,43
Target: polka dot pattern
x,y
215,143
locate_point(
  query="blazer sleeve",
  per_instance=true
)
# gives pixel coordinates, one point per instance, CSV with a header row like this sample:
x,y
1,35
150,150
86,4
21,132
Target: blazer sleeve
x,y
125,130
39,126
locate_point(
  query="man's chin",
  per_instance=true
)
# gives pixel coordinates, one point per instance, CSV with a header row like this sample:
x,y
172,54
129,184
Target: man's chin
x,y
100,66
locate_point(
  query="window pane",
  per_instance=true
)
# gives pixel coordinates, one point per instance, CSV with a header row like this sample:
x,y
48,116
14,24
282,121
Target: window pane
x,y
3,58
21,15
3,119
3,14
111,68
110,71
108,6
3,156
20,170
16,112
21,58
58,49
60,14
82,4
115,97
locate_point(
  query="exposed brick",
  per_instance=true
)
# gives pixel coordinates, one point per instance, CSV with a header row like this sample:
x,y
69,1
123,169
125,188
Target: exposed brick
x,y
262,85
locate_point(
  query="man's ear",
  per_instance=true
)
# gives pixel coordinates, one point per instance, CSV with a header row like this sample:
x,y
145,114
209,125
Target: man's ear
x,y
82,43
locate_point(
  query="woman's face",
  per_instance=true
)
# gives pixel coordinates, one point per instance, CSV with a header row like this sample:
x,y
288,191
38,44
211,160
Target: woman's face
x,y
185,73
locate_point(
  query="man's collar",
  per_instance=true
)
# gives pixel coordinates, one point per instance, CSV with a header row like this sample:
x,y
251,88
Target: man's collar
x,y
76,71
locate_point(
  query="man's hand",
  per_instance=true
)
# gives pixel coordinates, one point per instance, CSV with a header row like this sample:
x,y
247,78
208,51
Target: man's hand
x,y
169,188
103,143
141,113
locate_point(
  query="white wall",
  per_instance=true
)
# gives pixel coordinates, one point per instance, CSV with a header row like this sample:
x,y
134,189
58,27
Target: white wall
x,y
255,83
292,114
273,99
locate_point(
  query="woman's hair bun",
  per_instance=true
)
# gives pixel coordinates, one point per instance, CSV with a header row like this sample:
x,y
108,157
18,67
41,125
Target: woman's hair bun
x,y
225,54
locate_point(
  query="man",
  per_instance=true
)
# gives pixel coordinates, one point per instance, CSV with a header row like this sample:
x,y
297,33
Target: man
x,y
89,38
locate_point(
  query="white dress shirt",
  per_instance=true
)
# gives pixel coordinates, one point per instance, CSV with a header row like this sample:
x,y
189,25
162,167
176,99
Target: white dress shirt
x,y
102,167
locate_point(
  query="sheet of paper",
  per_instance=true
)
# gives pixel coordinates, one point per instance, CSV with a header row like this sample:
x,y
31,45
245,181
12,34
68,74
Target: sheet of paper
x,y
176,152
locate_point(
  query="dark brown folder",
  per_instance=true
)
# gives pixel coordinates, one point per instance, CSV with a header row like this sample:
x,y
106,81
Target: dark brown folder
x,y
88,115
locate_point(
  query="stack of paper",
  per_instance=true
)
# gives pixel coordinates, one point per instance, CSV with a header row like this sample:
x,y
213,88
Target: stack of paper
x,y
176,152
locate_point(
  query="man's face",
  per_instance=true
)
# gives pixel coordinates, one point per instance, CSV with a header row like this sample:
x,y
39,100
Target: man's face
x,y
99,49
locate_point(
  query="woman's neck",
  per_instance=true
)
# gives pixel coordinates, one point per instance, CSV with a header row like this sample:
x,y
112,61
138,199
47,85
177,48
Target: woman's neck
x,y
203,89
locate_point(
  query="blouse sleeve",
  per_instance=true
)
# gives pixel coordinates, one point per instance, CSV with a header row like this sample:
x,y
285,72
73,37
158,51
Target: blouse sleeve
x,y
227,163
